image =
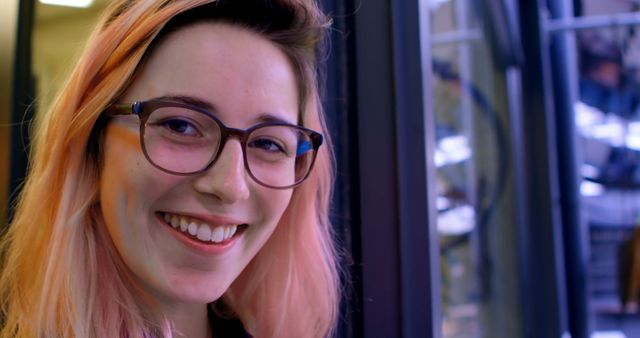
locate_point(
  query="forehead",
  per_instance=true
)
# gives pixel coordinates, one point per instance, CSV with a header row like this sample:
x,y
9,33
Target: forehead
x,y
233,68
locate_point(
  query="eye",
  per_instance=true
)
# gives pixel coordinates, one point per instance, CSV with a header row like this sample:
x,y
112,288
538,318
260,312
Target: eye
x,y
178,126
267,145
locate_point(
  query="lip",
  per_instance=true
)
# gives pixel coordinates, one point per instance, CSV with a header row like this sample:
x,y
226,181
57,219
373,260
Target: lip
x,y
196,245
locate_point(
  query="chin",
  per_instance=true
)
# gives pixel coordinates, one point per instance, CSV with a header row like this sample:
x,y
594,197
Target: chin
x,y
192,289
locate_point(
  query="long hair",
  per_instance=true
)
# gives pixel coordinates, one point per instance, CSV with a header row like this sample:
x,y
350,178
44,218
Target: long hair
x,y
61,274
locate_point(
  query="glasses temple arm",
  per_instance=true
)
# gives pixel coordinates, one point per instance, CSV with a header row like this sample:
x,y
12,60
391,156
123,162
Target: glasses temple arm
x,y
122,109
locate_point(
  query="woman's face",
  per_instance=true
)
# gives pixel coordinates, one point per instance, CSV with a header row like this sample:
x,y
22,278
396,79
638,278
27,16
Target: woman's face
x,y
243,79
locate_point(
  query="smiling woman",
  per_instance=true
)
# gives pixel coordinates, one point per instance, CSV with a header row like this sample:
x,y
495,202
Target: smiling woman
x,y
180,183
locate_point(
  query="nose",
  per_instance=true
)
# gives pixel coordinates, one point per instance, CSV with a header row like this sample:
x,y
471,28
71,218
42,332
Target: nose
x,y
227,177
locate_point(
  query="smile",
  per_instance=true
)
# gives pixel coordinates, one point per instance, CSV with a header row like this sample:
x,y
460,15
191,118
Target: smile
x,y
198,229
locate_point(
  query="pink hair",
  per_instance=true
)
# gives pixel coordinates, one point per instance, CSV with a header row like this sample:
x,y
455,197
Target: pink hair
x,y
61,273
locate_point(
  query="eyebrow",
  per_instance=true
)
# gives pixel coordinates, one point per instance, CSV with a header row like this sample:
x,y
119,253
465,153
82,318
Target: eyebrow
x,y
194,101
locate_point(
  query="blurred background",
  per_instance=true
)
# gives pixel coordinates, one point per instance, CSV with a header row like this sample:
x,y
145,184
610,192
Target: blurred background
x,y
488,179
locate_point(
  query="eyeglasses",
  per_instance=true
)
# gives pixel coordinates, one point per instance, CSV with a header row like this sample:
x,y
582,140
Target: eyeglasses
x,y
183,139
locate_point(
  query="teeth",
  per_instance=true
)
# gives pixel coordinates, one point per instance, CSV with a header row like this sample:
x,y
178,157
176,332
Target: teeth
x,y
232,231
217,235
202,231
184,226
193,229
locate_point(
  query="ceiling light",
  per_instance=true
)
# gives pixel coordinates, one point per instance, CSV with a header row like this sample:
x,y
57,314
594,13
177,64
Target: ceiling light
x,y
591,189
68,3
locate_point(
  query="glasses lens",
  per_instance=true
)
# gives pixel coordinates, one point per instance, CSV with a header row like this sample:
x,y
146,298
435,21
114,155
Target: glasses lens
x,y
180,140
279,156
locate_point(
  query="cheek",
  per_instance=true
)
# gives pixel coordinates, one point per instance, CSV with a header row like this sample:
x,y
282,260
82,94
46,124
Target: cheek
x,y
129,190
117,190
127,186
272,205
127,180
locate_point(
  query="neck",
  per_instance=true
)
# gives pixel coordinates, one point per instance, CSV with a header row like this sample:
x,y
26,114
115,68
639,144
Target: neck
x,y
189,320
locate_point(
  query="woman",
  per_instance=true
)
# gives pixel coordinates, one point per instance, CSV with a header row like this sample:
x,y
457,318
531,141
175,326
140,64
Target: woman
x,y
179,186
